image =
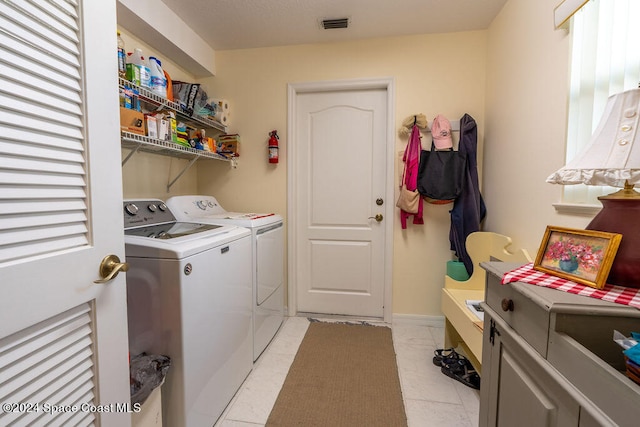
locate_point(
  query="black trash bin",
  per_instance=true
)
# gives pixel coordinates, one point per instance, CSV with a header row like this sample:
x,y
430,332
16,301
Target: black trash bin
x,y
147,372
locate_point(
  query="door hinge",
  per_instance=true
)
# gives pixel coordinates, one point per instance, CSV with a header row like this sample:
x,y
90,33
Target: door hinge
x,y
493,331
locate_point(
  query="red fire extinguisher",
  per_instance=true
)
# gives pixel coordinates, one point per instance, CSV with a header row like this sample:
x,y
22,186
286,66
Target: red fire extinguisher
x,y
273,146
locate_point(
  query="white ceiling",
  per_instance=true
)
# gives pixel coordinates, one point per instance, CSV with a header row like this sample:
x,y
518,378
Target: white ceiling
x,y
240,24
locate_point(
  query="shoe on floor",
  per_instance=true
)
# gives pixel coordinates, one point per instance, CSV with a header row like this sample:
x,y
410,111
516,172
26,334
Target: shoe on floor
x,y
462,370
443,356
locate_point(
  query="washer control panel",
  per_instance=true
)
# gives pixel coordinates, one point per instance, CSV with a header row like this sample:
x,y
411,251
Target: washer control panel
x,y
146,212
205,204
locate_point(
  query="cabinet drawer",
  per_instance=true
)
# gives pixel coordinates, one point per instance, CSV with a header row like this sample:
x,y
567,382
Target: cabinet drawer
x,y
528,319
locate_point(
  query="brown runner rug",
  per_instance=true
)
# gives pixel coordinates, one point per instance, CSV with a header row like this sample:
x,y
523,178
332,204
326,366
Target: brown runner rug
x,y
344,375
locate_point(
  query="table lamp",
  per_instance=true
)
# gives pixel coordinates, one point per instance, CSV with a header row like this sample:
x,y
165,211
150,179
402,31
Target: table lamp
x,y
613,158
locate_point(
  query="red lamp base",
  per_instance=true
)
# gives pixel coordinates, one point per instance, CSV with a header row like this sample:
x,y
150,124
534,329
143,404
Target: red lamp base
x,y
622,215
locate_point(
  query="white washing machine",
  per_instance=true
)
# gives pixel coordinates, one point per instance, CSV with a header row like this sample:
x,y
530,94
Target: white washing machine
x,y
189,296
267,232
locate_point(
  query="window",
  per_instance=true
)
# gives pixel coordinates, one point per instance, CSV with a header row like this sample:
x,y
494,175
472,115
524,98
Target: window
x,y
605,60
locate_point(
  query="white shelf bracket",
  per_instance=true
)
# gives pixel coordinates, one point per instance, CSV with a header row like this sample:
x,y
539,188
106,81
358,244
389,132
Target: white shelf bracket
x,y
131,153
186,168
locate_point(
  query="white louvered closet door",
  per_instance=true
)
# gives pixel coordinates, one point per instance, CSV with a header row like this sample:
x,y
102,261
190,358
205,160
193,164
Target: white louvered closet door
x,y
63,338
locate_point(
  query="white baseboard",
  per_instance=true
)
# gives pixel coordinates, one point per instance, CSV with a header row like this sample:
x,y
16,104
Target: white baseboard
x,y
420,320
411,319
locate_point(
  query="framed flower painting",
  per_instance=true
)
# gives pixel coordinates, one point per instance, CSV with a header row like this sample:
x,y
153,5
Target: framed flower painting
x,y
583,256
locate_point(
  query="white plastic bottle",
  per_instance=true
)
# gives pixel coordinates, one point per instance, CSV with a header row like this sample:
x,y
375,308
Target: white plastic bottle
x,y
138,59
158,80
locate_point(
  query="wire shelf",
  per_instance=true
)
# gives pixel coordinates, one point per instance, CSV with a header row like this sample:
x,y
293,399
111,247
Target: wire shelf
x,y
137,142
149,97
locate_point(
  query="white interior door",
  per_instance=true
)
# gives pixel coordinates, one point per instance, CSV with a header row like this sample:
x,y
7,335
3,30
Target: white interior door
x,y
341,176
63,338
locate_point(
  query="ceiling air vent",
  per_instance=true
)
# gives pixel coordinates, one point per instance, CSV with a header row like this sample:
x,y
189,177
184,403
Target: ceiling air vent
x,y
329,24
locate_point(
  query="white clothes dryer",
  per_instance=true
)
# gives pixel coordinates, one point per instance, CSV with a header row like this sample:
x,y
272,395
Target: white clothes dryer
x,y
189,297
267,232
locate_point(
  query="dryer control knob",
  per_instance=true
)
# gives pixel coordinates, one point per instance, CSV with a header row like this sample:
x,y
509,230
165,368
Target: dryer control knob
x,y
131,209
202,204
152,207
162,207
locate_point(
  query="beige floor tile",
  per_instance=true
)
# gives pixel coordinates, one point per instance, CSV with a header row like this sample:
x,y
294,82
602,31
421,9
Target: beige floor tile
x,y
431,398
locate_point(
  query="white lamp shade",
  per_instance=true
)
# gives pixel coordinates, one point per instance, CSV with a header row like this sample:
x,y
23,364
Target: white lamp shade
x,y
613,155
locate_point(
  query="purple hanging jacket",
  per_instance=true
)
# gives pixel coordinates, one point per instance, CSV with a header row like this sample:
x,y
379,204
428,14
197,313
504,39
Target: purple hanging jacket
x,y
469,209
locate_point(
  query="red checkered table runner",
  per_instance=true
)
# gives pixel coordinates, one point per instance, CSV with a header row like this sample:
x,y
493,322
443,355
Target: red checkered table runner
x,y
617,294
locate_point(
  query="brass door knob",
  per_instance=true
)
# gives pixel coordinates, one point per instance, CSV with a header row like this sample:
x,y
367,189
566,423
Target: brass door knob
x,y
110,267
378,217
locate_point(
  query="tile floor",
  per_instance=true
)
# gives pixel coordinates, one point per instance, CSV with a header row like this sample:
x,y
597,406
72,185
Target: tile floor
x,y
430,398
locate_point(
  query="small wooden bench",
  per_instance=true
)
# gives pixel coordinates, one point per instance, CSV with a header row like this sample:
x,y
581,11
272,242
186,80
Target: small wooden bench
x,y
462,326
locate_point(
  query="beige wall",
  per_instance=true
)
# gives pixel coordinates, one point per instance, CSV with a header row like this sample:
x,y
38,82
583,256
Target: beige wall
x,y
526,113
433,74
512,79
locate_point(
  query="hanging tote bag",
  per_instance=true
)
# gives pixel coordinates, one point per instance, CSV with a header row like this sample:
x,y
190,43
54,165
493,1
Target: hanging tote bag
x,y
408,199
440,174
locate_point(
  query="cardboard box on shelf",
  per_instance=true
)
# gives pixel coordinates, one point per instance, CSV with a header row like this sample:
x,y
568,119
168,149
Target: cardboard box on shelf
x,y
230,147
164,133
131,121
229,144
151,125
166,121
173,128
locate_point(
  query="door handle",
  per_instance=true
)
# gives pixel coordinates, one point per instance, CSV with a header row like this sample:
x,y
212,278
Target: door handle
x,y
378,217
110,267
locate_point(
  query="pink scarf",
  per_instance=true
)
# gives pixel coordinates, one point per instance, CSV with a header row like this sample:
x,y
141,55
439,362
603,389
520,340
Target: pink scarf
x,y
411,160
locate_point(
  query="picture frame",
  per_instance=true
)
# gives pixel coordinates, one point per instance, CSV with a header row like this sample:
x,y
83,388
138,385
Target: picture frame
x,y
582,256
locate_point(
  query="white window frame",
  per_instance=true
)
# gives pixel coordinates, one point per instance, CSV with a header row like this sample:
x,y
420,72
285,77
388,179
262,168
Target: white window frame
x,y
605,59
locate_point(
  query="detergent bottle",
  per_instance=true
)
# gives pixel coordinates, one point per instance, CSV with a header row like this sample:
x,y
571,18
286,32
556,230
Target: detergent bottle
x,y
122,58
157,78
136,58
133,71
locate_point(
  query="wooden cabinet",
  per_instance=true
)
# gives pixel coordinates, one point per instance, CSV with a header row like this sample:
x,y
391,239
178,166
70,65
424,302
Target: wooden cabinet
x,y
545,363
525,391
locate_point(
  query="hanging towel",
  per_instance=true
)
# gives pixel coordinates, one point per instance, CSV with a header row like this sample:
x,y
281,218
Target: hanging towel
x,y
468,209
411,160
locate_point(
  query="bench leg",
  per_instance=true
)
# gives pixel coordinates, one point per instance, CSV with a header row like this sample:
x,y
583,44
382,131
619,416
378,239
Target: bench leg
x,y
453,340
451,336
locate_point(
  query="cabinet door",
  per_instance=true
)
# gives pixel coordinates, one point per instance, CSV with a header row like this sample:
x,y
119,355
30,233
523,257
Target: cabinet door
x,y
521,389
